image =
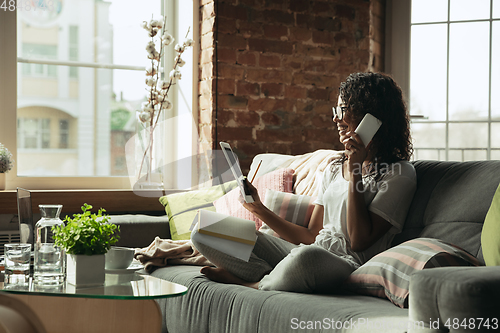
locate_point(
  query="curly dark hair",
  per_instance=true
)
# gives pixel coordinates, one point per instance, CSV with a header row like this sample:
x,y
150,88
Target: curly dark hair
x,y
380,95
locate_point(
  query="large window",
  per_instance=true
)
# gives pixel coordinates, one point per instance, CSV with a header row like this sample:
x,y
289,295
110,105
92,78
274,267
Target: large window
x,y
80,64
454,72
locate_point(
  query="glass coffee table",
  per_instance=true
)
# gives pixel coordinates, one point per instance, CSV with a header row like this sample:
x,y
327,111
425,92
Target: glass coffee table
x,y
125,303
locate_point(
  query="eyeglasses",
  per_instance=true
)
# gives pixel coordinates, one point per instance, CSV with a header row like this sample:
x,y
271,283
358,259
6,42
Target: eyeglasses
x,y
339,111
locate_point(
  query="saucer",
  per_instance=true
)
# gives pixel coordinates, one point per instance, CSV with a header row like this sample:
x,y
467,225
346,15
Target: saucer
x,y
135,266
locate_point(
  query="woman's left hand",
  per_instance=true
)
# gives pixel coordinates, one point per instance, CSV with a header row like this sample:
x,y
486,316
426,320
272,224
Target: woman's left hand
x,y
356,153
256,206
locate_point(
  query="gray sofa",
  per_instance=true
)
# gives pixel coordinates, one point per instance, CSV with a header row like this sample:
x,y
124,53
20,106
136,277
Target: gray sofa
x,y
450,204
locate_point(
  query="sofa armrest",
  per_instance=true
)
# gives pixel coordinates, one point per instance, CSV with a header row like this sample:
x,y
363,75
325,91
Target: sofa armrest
x,y
140,230
454,299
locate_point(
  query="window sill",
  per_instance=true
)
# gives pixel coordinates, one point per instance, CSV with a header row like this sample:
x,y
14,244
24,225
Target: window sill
x,y
114,201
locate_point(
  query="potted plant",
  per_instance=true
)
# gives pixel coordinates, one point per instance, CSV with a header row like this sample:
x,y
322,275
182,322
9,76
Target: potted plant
x,y
86,238
6,163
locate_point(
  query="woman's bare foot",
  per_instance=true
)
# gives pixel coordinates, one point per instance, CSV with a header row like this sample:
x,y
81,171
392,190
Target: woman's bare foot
x,y
223,276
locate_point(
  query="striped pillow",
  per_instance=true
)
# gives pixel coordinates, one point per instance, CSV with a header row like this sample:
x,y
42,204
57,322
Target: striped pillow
x,y
292,207
387,275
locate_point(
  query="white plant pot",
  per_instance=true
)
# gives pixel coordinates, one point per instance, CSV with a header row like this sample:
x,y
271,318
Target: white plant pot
x,y
83,270
2,181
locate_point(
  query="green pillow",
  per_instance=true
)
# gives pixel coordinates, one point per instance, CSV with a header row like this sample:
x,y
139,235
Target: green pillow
x,y
181,208
490,240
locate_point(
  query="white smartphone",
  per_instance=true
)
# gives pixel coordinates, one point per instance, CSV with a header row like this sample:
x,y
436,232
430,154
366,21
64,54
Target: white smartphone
x,y
232,160
367,128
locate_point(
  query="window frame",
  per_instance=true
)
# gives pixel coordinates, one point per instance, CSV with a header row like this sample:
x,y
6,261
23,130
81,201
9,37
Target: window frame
x,y
398,64
8,113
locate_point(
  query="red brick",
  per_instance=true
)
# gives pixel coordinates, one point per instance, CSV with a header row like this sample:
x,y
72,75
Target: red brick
x,y
268,104
232,41
324,66
292,62
322,8
316,94
295,92
276,4
315,51
225,116
247,58
250,148
227,55
234,133
278,16
318,80
344,39
273,147
304,106
270,76
271,89
226,25
299,5
318,134
322,37
300,34
233,12
304,20
322,121
247,118
276,135
271,119
247,88
227,71
275,31
264,45
232,102
345,11
269,61
327,23
250,29
225,86
299,148
325,107
299,119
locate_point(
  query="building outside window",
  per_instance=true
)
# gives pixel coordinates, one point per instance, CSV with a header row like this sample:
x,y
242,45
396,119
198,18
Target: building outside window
x,y
454,74
77,63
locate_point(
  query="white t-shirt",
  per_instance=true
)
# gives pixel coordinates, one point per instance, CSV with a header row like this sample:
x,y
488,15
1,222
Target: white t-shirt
x,y
390,198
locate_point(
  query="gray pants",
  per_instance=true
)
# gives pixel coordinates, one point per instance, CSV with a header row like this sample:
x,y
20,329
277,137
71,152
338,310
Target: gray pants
x,y
280,265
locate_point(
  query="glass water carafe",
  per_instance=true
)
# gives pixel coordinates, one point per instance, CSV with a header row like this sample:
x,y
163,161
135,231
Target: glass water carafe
x,y
50,260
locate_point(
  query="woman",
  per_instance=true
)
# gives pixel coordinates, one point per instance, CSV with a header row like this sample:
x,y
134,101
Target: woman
x,y
362,202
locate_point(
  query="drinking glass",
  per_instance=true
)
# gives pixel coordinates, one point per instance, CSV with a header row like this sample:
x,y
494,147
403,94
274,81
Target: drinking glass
x,y
17,263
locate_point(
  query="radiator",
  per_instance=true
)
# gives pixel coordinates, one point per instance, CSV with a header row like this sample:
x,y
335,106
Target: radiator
x,y
8,236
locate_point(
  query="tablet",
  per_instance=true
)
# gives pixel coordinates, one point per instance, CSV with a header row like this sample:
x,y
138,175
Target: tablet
x,y
232,160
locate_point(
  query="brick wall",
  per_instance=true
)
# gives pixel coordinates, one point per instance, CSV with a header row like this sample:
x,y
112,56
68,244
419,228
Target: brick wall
x,y
270,70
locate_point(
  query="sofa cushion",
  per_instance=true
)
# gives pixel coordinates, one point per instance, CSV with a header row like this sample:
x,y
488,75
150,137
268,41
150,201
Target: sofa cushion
x,y
181,208
278,180
388,273
451,202
294,208
490,240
